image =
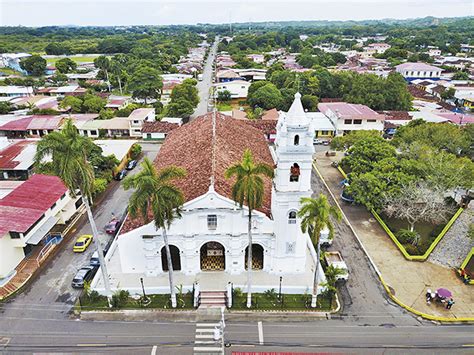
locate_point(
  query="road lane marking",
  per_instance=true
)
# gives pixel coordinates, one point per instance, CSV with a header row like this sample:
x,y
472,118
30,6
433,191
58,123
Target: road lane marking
x,y
260,333
91,345
153,350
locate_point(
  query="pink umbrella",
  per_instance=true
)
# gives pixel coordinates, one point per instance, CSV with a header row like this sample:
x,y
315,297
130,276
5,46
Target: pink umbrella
x,y
443,292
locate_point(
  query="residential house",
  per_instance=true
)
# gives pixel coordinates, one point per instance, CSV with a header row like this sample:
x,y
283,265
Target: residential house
x,y
346,117
68,90
238,88
379,47
32,125
322,125
27,215
14,91
16,158
118,102
412,71
256,58
138,117
157,130
227,75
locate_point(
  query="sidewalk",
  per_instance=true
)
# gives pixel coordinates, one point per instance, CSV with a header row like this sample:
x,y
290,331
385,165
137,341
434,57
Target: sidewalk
x,y
408,280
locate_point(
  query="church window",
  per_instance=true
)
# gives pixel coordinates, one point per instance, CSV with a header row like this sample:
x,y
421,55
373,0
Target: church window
x,y
292,217
294,173
212,221
296,141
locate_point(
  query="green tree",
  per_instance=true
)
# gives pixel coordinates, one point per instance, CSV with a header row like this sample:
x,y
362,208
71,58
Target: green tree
x,y
310,102
224,96
460,75
248,190
71,102
5,107
69,151
56,48
65,65
266,97
146,83
180,108
34,65
103,63
93,103
187,90
316,215
156,193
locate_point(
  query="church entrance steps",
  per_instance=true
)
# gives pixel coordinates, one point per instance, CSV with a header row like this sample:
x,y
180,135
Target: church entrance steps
x,y
212,299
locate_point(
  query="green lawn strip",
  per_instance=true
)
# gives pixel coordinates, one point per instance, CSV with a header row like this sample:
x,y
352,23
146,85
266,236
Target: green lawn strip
x,y
81,59
156,302
224,107
261,301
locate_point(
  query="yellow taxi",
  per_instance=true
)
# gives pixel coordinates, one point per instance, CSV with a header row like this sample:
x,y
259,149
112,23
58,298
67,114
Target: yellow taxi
x,y
82,243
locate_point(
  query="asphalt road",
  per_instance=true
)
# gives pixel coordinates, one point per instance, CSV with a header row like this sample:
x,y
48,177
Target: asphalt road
x,y
39,321
51,296
206,83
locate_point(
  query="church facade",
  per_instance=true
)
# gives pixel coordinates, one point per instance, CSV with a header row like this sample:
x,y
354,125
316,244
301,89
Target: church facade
x,y
211,235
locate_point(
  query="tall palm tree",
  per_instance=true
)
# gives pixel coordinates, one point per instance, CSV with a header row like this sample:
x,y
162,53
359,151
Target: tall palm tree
x,y
69,151
316,216
155,193
248,189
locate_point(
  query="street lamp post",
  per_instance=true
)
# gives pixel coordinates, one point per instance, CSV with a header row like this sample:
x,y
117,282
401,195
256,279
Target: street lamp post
x,y
279,290
143,289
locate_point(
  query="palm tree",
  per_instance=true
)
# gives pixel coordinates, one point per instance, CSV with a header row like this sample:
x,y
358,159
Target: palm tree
x,y
155,193
69,151
332,274
248,189
316,216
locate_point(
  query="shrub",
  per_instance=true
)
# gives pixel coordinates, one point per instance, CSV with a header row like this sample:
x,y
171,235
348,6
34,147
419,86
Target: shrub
x,y
100,185
94,296
406,236
412,249
120,298
135,151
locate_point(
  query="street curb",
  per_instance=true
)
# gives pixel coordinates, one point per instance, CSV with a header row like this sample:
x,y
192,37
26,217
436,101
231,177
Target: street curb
x,y
385,286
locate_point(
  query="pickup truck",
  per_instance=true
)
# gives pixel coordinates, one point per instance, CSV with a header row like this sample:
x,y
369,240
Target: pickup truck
x,y
324,239
335,259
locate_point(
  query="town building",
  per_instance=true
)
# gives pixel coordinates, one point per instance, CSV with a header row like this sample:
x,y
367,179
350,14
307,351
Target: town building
x,y
257,58
238,88
347,117
412,71
14,91
379,47
16,158
208,244
27,215
157,130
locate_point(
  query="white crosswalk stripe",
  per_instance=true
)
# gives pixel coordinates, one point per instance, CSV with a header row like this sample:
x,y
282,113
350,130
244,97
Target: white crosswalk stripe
x,y
204,342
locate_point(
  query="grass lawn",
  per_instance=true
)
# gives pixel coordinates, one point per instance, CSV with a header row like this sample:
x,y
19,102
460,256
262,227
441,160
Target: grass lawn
x,y
157,302
224,107
264,301
78,59
10,71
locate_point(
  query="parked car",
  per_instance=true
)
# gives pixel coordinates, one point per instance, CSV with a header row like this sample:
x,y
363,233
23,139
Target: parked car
x,y
82,243
94,260
131,164
113,226
318,141
84,274
120,175
335,259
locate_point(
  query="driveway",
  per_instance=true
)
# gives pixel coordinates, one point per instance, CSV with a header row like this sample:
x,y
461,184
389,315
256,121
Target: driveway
x,y
206,83
50,295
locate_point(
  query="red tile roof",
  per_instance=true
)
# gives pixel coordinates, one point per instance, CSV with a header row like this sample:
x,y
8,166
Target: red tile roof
x,y
190,147
158,127
8,155
22,207
266,126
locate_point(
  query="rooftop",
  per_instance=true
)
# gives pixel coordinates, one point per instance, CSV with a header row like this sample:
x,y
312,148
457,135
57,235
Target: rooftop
x,y
22,207
158,127
193,148
417,67
18,155
347,110
140,113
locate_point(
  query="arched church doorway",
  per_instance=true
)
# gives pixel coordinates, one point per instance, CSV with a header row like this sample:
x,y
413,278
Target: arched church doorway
x,y
212,257
257,257
175,258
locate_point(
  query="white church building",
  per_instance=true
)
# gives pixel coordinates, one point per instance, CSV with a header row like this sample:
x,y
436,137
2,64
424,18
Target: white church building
x,y
209,243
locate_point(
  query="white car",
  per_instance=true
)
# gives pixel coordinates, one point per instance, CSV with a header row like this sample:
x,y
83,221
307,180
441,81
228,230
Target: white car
x,y
335,259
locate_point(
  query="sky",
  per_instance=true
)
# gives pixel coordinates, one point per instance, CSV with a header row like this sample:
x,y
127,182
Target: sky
x,y
165,12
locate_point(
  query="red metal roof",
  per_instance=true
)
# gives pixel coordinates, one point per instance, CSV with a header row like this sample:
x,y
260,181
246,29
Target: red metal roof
x,y
22,207
8,155
20,124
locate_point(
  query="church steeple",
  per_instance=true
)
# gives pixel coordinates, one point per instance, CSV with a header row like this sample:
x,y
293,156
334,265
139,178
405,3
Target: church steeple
x,y
296,113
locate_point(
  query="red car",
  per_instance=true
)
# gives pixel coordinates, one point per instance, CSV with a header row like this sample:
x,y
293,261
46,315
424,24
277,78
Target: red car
x,y
113,226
